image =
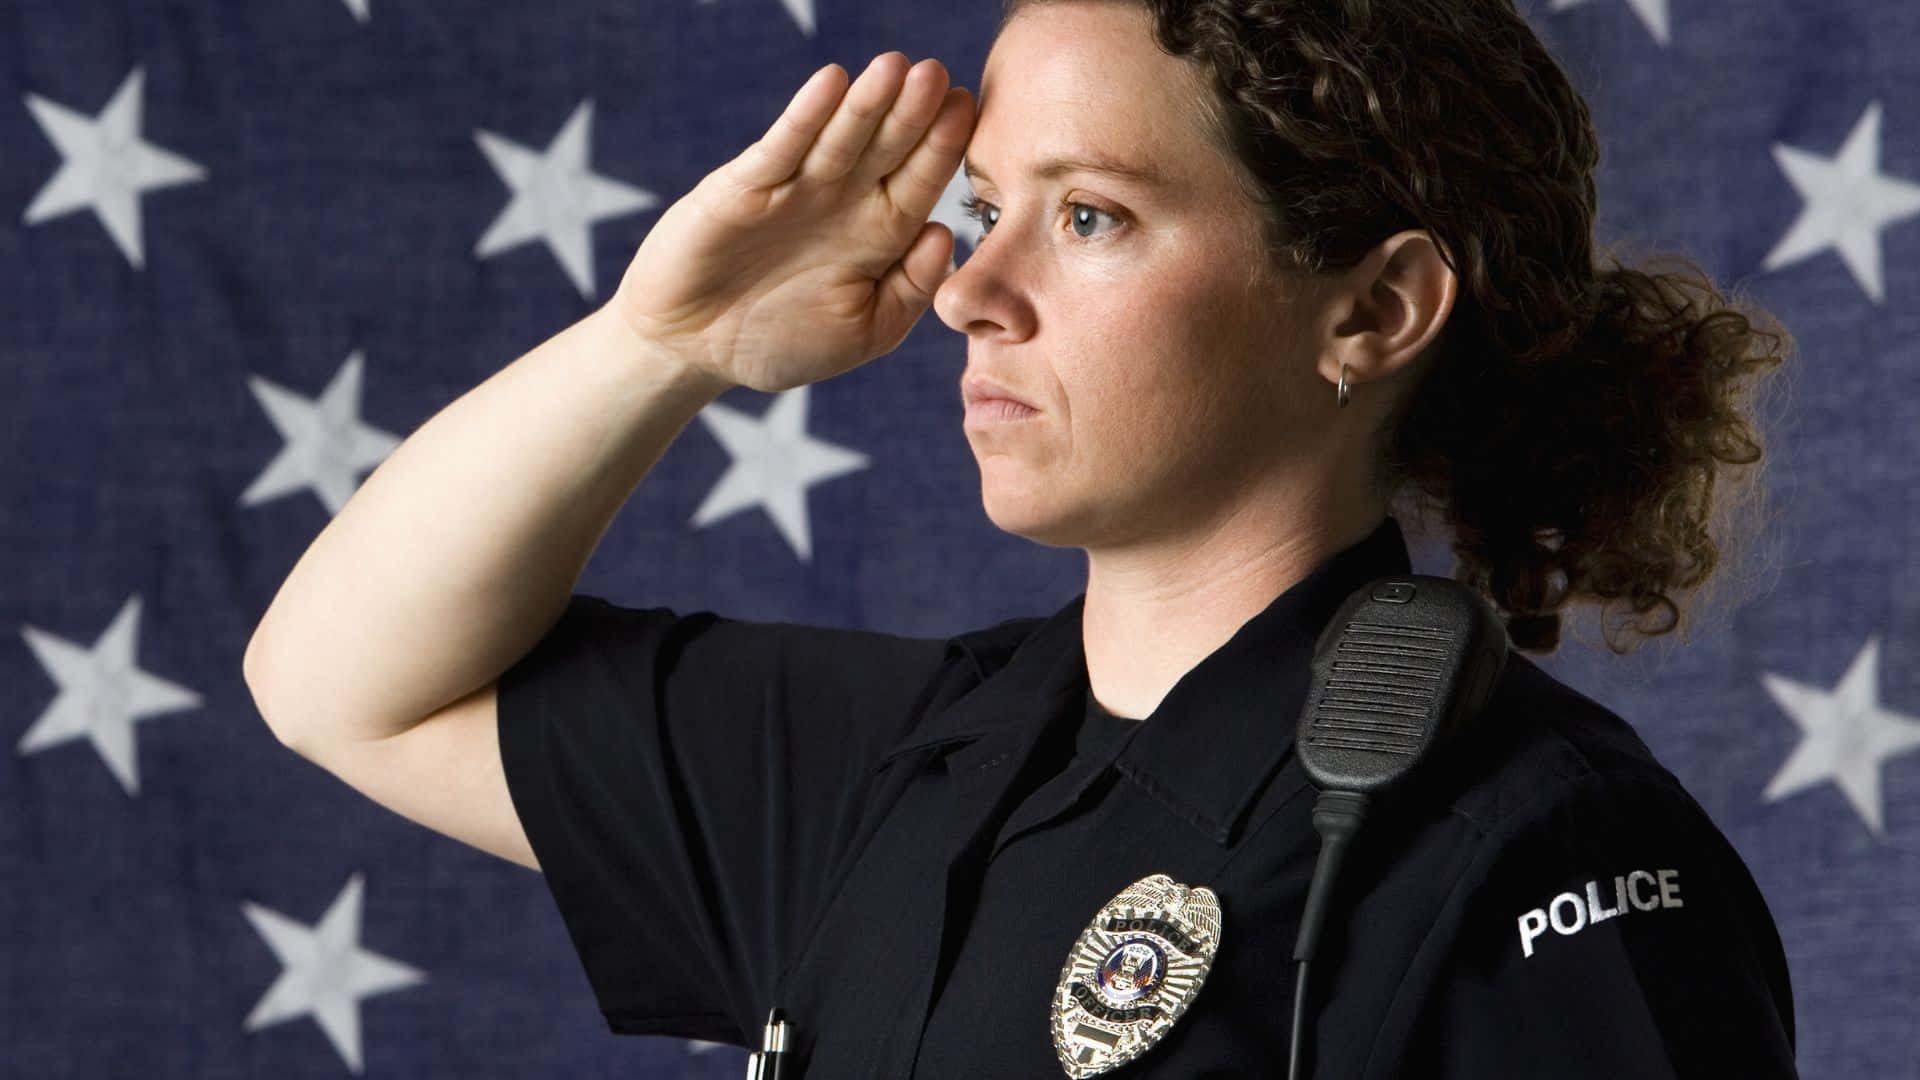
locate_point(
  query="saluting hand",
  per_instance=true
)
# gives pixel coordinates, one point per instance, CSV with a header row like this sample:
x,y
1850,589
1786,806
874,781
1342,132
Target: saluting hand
x,y
810,253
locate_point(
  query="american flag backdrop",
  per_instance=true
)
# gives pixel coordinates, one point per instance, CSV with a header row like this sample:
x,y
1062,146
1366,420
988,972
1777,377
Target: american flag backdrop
x,y
248,247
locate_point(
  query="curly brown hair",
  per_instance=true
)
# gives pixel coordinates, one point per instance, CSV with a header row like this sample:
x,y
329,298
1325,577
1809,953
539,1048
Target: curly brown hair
x,y
1574,421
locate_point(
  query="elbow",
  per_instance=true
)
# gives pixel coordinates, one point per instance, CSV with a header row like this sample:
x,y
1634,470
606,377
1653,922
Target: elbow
x,y
254,671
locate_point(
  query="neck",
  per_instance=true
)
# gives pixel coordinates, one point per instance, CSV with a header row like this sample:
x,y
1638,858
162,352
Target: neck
x,y
1155,610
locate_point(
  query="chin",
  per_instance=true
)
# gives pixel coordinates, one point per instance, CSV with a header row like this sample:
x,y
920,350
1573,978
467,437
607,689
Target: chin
x,y
1033,518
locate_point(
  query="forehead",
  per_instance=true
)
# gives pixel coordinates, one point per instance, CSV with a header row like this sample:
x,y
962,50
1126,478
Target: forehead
x,y
1083,79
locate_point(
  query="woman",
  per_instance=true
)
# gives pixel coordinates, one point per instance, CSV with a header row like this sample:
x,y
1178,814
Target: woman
x,y
1252,273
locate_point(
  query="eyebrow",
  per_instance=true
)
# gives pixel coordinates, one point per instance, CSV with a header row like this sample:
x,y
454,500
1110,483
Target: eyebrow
x,y
1054,167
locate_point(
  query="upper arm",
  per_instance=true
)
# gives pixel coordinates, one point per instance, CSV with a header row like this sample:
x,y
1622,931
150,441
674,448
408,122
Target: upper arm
x,y
444,772
1614,933
694,785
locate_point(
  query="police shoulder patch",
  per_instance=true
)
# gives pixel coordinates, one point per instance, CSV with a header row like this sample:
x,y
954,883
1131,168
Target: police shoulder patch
x,y
1132,973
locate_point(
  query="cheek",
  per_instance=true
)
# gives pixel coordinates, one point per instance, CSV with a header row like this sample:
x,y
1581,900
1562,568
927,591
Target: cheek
x,y
1177,361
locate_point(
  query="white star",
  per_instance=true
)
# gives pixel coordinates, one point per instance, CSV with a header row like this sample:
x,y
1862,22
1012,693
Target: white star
x,y
1651,12
801,10
362,9
326,972
102,692
1846,734
1848,201
556,196
328,446
949,212
105,165
774,462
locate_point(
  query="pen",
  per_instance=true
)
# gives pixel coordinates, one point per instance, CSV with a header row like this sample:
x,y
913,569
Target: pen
x,y
770,1061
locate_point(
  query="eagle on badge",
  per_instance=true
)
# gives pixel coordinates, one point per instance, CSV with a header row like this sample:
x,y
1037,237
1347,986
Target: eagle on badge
x,y
1132,973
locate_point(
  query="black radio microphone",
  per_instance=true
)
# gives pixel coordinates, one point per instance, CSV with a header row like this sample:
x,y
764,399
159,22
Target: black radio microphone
x,y
1406,662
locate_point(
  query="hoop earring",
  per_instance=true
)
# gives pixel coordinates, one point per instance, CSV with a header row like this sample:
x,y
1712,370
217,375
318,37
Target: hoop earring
x,y
1344,393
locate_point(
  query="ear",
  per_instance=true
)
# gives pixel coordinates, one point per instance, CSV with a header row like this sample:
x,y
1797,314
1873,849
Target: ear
x,y
1386,308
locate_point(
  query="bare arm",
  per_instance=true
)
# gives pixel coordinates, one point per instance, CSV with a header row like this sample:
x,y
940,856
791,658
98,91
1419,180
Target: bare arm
x,y
460,550
808,254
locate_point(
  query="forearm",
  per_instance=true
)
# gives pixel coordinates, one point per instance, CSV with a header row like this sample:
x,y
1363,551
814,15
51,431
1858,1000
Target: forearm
x,y
459,552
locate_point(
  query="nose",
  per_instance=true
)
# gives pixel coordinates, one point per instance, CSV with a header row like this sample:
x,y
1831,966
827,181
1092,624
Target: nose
x,y
984,297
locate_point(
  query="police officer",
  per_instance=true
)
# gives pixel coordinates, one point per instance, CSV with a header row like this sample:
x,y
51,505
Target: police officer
x,y
1251,273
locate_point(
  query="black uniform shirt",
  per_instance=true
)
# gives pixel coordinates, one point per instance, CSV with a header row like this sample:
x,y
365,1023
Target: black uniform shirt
x,y
899,840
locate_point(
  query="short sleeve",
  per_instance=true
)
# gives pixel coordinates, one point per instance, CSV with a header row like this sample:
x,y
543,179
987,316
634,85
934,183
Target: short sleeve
x,y
691,785
1614,932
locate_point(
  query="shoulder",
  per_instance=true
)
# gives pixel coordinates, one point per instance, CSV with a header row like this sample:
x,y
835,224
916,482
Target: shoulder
x,y
1545,790
1551,791
709,663
663,641
1541,743
1563,819
1575,893
1546,786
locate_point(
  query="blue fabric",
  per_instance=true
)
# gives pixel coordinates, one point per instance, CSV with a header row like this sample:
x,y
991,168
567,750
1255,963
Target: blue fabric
x,y
324,187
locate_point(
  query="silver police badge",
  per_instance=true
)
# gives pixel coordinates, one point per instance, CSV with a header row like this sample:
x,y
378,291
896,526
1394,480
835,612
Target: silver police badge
x,y
1133,973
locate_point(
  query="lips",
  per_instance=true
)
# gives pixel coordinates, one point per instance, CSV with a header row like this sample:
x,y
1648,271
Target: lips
x,y
977,389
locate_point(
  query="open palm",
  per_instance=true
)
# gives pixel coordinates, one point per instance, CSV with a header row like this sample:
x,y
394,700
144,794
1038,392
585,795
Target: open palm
x,y
809,253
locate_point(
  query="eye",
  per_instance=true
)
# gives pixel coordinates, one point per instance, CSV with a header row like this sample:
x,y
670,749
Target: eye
x,y
1084,216
986,214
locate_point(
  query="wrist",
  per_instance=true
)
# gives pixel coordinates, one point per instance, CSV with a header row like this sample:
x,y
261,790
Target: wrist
x,y
631,346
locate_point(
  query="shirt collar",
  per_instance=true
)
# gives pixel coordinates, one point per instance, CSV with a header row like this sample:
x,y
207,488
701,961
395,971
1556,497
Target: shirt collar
x,y
1214,741
1208,749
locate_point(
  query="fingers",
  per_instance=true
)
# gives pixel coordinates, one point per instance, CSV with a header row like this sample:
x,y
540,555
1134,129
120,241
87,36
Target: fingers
x,y
779,152
916,185
847,134
906,289
884,118
913,110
